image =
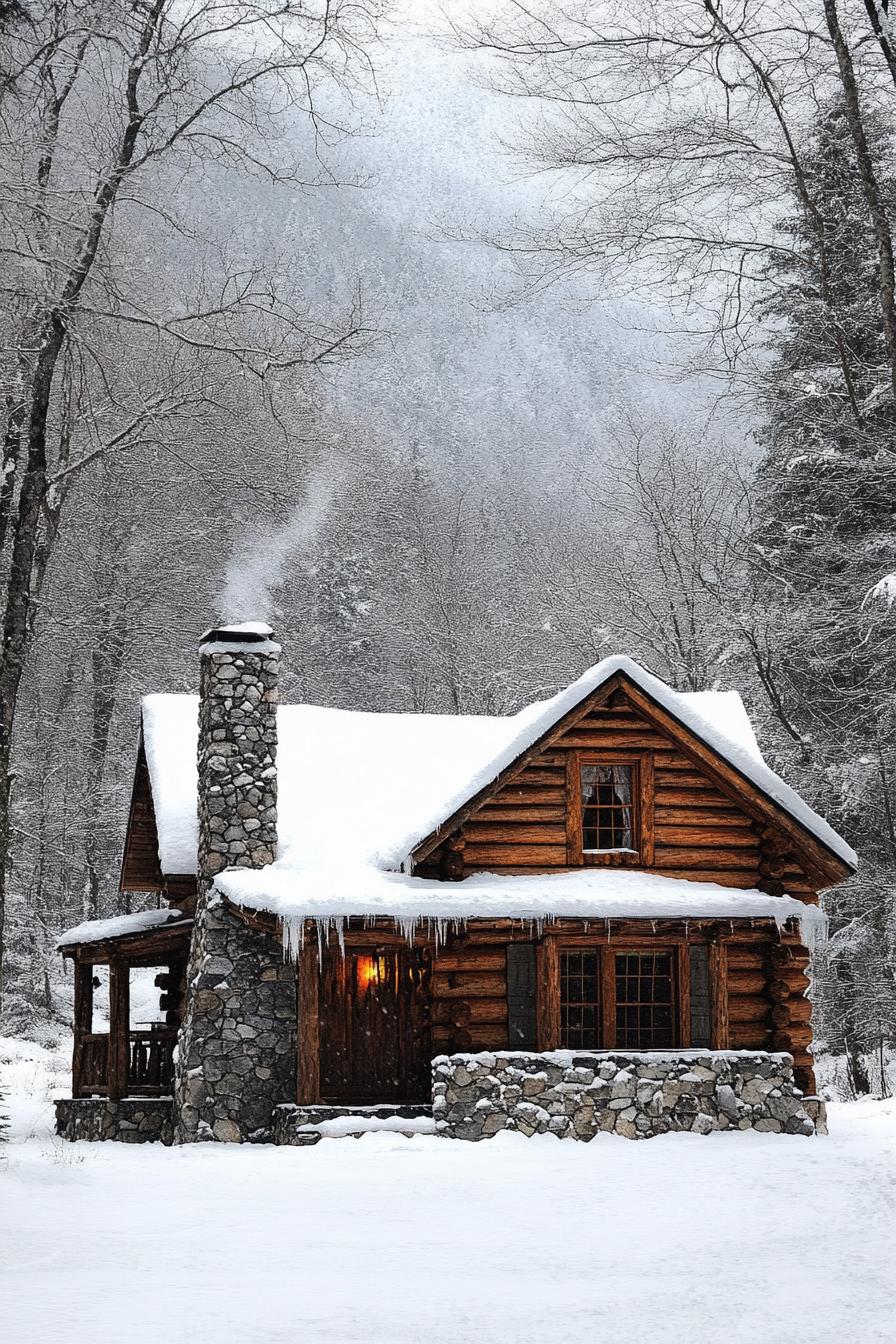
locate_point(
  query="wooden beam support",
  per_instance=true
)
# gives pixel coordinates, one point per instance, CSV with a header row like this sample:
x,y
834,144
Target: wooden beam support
x,y
547,960
608,997
718,981
308,1036
148,948
119,1029
83,1021
683,997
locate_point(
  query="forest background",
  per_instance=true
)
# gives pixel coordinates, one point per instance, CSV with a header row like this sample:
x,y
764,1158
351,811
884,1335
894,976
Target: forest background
x,y
467,345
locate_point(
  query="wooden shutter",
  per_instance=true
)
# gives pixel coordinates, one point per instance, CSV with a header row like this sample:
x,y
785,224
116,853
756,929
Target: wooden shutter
x,y
701,1003
521,996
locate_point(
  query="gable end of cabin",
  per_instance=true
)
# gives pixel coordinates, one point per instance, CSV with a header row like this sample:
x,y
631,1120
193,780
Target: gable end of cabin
x,y
612,786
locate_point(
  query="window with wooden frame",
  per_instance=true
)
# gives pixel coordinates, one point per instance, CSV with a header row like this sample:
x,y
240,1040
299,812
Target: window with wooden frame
x,y
645,998
609,809
622,998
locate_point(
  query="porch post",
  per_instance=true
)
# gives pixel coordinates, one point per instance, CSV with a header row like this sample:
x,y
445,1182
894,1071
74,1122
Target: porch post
x,y
547,964
718,982
308,1035
83,1021
119,1029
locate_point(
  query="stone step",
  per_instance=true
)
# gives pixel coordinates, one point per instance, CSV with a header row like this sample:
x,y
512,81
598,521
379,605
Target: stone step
x,y
301,1126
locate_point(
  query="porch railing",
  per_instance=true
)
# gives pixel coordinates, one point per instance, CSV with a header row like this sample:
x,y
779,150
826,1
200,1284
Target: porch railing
x,y
150,1063
91,1064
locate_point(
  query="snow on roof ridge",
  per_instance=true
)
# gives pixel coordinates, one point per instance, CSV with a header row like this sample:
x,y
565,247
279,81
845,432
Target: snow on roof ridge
x,y
751,765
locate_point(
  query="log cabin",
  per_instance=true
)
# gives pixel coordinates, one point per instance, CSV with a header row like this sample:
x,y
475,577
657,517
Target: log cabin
x,y
344,897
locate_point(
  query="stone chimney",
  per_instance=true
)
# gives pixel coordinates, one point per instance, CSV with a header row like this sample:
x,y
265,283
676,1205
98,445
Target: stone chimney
x,y
237,755
236,1048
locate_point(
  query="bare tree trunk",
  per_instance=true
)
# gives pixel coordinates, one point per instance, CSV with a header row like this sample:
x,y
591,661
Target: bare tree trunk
x,y
17,617
106,661
152,84
878,13
870,185
813,213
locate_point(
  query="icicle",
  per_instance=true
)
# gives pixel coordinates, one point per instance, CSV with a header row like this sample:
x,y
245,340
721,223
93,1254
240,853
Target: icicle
x,y
293,936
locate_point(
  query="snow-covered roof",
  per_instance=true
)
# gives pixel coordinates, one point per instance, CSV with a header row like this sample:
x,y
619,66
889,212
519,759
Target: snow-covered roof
x,y
100,930
403,775
330,896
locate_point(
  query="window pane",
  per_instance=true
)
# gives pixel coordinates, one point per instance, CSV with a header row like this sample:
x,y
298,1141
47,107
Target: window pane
x,y
579,1001
645,1008
607,807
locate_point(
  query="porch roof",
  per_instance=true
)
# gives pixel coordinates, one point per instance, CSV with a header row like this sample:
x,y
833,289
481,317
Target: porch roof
x,y
145,932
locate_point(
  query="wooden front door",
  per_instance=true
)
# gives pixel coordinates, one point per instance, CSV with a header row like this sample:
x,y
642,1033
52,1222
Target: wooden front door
x,y
374,1025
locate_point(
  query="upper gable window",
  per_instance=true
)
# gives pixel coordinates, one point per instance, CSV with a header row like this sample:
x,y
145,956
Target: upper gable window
x,y
609,808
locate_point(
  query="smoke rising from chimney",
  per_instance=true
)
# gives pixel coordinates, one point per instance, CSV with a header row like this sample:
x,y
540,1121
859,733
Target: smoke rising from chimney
x,y
254,573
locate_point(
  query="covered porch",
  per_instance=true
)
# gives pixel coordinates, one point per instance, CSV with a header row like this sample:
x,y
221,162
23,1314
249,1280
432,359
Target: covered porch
x,y
125,1058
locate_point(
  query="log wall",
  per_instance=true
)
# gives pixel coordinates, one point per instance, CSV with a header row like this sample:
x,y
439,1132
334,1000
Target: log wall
x,y
759,984
140,869
693,829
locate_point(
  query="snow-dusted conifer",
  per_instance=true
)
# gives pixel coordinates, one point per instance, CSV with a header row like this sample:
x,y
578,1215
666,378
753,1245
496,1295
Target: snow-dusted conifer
x,y
825,514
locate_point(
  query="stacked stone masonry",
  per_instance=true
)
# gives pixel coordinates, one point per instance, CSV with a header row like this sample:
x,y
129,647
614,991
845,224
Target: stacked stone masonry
x,y
236,1057
237,760
637,1096
131,1120
294,1126
237,1046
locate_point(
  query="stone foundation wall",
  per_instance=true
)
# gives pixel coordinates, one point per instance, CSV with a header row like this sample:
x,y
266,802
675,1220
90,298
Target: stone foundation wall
x,y
577,1095
236,1052
131,1120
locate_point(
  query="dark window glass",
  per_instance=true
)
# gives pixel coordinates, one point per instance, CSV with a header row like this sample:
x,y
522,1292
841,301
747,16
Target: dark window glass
x,y
645,1009
579,1000
607,808
701,998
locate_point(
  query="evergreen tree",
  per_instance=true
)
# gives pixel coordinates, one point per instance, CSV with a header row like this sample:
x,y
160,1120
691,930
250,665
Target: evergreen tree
x,y
824,542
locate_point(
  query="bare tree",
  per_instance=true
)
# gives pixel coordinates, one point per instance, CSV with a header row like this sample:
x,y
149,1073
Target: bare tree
x,y
103,107
675,514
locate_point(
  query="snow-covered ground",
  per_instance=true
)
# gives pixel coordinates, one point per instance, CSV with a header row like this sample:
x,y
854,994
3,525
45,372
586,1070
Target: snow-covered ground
x,y
388,1240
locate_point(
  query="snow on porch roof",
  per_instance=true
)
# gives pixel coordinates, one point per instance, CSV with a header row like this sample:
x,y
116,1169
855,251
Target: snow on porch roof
x,y
359,788
121,926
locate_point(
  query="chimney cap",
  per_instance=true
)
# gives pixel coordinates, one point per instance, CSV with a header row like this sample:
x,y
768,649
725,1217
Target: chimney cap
x,y
246,632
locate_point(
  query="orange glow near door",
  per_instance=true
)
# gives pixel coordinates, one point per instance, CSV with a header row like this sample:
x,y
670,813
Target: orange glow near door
x,y
369,971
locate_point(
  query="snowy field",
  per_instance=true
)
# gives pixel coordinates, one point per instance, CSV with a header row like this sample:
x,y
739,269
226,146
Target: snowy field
x,y
385,1240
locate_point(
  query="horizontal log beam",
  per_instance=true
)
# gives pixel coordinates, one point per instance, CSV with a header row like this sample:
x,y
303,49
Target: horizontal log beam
x,y
514,833
712,838
744,1009
715,859
460,985
506,809
471,960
